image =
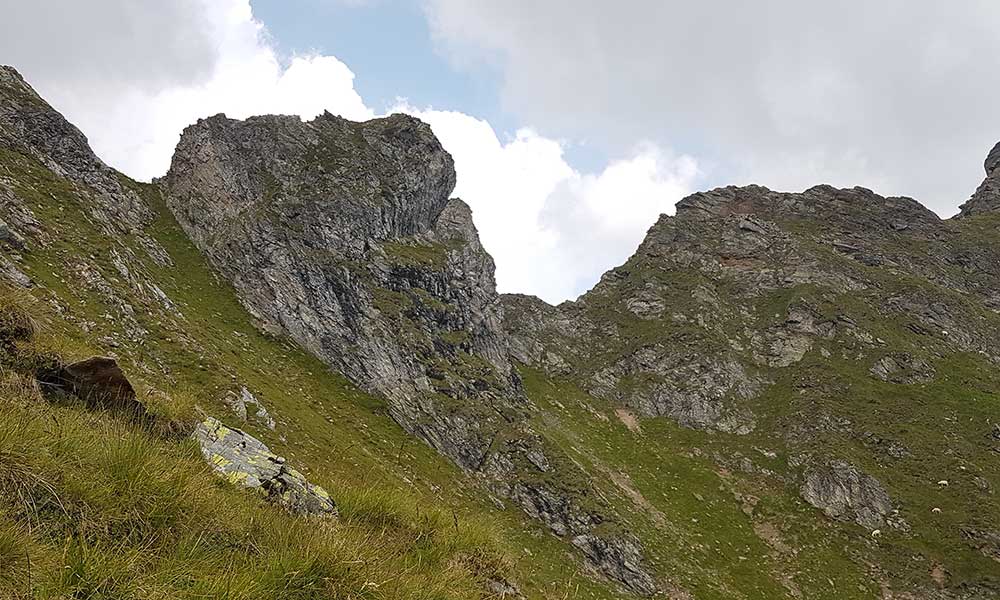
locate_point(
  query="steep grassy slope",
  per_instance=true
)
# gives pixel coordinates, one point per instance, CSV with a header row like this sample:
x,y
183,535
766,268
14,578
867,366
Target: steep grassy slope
x,y
411,524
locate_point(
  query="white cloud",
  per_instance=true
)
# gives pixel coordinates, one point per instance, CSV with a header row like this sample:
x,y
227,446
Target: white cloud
x,y
551,229
898,95
134,123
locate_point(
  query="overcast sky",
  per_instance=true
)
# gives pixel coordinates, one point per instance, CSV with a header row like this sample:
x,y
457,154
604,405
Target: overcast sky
x,y
573,123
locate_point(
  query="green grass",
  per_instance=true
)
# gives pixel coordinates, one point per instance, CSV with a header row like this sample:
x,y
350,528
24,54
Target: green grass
x,y
115,513
427,255
685,500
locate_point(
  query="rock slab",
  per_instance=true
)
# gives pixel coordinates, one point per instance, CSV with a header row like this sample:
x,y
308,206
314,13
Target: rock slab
x,y
244,460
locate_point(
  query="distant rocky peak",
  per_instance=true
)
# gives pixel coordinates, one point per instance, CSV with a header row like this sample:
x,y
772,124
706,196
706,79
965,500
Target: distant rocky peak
x,y
31,127
992,159
986,199
29,124
821,201
376,180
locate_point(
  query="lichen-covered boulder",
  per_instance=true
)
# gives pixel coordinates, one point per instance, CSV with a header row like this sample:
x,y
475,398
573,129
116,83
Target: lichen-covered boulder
x,y
245,460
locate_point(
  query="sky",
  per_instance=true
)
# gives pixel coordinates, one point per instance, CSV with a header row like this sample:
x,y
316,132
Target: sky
x,y
573,123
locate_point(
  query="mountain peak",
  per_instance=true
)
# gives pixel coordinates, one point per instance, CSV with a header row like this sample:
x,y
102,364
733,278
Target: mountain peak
x,y
31,126
854,208
992,159
986,199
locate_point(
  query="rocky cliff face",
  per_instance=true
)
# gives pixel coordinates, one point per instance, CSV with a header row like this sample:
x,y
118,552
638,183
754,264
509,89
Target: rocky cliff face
x,y
702,282
343,237
329,228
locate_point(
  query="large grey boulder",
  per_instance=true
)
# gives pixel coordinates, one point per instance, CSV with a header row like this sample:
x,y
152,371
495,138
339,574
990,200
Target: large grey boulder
x,y
244,460
845,493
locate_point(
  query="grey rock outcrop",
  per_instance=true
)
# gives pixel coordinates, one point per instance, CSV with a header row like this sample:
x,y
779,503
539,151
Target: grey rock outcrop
x,y
244,460
903,368
623,555
342,236
843,492
986,198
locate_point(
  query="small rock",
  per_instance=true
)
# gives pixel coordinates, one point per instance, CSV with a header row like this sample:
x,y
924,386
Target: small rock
x,y
902,368
243,402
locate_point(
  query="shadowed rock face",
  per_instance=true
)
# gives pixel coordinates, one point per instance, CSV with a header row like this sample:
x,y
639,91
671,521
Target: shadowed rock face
x,y
99,382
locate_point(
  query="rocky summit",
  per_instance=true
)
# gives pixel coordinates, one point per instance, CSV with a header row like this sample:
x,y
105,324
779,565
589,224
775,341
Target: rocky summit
x,y
779,395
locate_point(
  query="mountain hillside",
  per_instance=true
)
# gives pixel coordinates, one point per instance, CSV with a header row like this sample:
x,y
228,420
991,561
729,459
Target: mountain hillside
x,y
778,396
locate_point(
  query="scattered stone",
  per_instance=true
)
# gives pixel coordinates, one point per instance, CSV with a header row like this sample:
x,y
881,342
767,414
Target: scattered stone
x,y
14,275
243,402
503,589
